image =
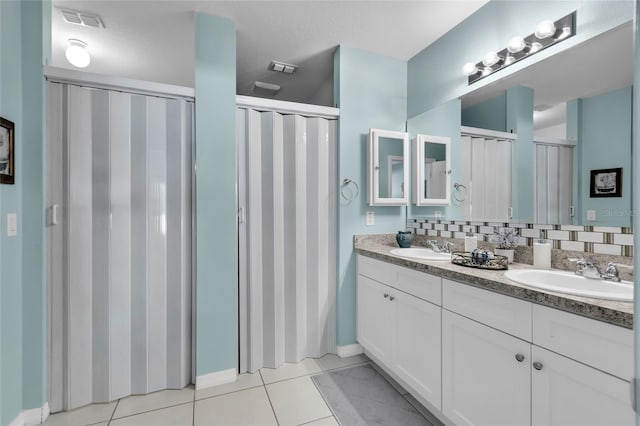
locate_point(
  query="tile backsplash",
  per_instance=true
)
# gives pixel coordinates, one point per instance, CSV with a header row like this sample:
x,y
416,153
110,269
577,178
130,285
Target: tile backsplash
x,y
615,241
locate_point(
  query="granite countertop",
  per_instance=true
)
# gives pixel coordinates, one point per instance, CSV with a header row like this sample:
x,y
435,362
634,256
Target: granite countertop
x,y
613,312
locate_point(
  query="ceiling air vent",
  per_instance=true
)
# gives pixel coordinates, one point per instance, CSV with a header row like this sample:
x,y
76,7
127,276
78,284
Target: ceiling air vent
x,y
282,67
82,18
541,107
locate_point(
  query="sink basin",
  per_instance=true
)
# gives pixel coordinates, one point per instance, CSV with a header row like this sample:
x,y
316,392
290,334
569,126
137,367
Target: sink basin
x,y
420,253
570,283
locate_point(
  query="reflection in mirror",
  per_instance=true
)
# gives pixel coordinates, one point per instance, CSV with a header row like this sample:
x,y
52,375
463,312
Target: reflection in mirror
x,y
432,170
581,119
387,171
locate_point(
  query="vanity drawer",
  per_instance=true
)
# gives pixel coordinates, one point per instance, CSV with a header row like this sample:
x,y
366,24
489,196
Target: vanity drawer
x,y
419,284
377,270
604,346
508,314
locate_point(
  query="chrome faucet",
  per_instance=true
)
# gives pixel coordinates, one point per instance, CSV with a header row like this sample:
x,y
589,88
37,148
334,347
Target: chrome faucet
x,y
589,270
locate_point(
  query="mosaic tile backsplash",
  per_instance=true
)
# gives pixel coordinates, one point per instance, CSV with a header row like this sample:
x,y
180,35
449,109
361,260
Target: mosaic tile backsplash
x,y
608,240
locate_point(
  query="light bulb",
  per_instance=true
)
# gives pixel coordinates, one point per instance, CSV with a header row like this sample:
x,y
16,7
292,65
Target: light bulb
x,y
486,71
490,59
566,32
545,29
470,68
516,44
535,46
77,53
509,60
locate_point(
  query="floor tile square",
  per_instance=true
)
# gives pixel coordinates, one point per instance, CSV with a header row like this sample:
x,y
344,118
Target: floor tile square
x,y
333,362
297,401
290,371
137,404
94,413
179,415
244,408
244,381
327,421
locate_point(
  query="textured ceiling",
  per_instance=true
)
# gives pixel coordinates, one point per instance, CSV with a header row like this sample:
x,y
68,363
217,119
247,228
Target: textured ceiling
x,y
153,40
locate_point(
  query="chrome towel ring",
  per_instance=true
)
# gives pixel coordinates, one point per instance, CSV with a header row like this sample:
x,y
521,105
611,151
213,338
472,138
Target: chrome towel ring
x,y
346,190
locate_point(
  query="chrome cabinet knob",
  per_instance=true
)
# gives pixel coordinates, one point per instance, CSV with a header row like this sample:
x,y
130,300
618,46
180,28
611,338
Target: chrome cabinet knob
x,y
537,365
391,298
519,357
386,295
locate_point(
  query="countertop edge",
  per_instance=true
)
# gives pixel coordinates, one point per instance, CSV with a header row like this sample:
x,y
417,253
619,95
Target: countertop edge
x,y
577,306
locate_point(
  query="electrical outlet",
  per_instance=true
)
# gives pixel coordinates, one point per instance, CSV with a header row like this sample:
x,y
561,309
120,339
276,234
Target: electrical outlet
x,y
371,219
591,215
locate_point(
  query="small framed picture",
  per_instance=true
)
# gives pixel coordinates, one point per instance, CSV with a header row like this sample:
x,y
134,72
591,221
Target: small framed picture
x,y
7,152
606,183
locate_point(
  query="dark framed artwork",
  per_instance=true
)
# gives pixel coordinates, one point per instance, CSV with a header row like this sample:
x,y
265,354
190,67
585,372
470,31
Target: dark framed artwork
x,y
7,152
606,183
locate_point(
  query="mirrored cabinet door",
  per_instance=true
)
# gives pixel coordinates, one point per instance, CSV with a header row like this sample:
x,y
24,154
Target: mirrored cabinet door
x,y
387,168
432,171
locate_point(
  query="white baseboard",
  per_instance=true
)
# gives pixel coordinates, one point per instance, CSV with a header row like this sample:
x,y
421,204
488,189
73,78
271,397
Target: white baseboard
x,y
349,350
32,417
217,378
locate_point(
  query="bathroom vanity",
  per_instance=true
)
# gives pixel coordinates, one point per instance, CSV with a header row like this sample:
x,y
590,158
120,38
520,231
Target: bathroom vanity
x,y
478,349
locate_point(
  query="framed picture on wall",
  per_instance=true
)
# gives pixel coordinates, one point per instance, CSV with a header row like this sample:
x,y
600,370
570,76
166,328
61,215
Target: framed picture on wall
x,y
606,183
7,152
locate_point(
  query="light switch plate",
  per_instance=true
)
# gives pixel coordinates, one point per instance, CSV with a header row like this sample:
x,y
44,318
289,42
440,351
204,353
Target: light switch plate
x,y
371,219
591,215
12,225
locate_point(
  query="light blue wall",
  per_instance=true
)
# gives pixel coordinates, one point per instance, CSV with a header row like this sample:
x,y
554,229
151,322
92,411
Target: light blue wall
x,y
371,92
435,75
443,120
490,114
605,123
217,245
11,284
36,49
24,45
520,121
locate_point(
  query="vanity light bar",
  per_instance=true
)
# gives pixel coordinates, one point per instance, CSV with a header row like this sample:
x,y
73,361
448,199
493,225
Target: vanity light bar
x,y
547,34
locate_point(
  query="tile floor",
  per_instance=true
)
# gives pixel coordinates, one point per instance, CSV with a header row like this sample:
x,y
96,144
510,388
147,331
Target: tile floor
x,y
284,396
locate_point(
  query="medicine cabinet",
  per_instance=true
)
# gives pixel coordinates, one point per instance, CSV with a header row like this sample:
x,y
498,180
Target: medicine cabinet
x,y
387,168
432,171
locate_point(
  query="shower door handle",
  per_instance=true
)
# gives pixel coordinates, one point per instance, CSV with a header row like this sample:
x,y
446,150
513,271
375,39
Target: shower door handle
x,y
54,215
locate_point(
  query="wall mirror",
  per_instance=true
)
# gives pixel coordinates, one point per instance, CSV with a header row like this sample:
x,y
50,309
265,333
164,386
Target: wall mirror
x,y
387,168
581,118
431,171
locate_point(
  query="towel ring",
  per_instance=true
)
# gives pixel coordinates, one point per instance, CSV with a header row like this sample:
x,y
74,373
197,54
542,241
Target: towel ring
x,y
351,195
458,194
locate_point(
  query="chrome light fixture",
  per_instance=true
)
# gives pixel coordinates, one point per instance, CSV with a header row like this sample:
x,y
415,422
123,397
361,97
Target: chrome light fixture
x,y
547,33
77,53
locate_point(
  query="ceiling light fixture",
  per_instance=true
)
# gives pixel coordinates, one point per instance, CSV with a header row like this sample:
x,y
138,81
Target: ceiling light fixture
x,y
282,67
265,88
547,33
77,53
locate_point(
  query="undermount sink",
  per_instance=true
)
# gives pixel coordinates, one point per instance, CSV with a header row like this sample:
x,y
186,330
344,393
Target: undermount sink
x,y
570,283
420,253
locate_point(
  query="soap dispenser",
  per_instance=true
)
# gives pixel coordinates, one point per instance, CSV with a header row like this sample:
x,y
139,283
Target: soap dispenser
x,y
470,242
542,254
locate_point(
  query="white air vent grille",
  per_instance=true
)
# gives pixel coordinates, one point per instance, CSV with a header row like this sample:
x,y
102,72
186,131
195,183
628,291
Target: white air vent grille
x,y
82,18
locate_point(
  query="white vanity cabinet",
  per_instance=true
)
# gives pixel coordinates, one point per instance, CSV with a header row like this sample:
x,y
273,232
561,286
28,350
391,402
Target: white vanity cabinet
x,y
399,330
483,358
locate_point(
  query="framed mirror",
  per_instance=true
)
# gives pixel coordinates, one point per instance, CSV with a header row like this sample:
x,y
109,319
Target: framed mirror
x,y
387,168
432,171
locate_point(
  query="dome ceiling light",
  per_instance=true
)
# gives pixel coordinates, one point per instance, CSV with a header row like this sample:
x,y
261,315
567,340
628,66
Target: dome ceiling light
x,y
547,34
77,54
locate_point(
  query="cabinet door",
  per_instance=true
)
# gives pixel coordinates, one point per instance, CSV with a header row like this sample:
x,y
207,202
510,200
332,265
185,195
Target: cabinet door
x,y
566,392
373,315
416,342
482,381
